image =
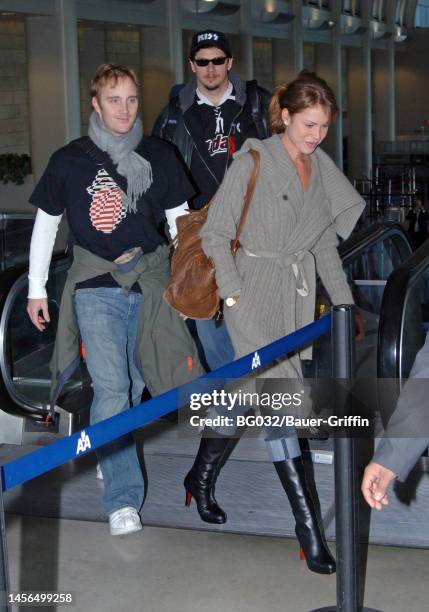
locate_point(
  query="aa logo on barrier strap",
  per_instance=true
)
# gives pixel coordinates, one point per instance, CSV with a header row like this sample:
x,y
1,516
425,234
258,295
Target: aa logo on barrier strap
x,y
256,361
84,443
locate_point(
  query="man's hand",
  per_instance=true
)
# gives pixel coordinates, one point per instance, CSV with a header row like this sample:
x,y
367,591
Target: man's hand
x,y
376,479
37,310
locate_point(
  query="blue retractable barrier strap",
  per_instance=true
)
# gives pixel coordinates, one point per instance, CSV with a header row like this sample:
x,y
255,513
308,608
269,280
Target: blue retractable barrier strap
x,y
44,459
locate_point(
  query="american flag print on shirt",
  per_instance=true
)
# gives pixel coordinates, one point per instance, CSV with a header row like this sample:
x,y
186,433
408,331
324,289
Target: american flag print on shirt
x,y
107,209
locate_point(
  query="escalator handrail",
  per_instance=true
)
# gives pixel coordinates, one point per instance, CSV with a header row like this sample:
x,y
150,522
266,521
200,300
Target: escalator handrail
x,y
11,281
392,312
362,240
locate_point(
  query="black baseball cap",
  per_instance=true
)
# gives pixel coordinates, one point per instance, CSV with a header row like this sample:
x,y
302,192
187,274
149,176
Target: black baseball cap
x,y
209,38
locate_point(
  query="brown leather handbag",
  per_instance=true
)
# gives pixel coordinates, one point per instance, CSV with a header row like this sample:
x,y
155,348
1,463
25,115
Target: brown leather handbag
x,y
192,288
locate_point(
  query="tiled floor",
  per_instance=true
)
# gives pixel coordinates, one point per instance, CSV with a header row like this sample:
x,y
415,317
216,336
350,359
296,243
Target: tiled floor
x,y
177,570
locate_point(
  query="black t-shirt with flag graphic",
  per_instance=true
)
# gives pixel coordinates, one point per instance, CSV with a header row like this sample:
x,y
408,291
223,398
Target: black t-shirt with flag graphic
x,y
97,216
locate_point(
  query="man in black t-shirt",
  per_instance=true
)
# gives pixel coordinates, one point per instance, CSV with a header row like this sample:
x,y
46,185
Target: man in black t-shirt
x,y
208,120
117,188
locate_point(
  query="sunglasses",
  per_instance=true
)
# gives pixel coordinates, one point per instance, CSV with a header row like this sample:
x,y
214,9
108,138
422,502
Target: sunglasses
x,y
216,61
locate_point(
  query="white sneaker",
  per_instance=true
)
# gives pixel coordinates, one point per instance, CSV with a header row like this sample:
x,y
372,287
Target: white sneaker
x,y
125,520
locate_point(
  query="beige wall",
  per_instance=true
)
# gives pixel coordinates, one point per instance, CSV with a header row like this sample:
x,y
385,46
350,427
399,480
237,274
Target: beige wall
x,y
98,44
157,76
263,62
91,46
46,91
283,61
14,133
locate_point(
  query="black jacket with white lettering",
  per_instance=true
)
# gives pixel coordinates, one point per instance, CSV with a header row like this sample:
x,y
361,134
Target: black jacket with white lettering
x,y
173,126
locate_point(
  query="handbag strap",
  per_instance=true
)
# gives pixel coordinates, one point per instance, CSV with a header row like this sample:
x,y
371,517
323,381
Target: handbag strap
x,y
248,198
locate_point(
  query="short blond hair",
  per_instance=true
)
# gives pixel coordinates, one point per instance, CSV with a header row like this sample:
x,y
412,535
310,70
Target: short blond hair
x,y
111,72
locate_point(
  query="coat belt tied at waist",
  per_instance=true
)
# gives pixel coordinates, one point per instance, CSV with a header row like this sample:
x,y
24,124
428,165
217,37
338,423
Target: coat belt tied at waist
x,y
304,270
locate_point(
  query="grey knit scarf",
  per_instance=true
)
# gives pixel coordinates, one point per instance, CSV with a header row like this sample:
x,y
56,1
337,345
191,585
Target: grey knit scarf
x,y
129,164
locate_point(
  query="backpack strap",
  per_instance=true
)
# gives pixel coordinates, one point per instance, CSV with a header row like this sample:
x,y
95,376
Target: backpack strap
x,y
101,158
254,99
168,128
166,123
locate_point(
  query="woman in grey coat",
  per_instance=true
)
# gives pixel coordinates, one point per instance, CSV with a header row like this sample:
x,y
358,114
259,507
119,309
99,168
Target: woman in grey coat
x,y
301,204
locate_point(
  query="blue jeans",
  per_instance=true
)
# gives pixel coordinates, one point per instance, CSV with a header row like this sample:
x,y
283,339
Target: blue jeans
x,y
219,351
217,345
108,319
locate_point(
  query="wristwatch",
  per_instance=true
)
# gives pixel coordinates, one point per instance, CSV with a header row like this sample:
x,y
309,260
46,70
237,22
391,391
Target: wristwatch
x,y
231,300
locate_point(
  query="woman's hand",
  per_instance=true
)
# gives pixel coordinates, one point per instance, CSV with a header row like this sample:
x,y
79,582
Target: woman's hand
x,y
34,307
183,316
359,326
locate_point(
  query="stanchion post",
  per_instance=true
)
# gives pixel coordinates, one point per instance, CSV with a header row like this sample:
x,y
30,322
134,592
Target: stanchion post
x,y
346,473
4,567
346,486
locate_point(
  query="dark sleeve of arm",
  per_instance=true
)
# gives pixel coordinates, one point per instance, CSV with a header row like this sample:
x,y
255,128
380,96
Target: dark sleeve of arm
x,y
178,186
50,193
400,454
407,433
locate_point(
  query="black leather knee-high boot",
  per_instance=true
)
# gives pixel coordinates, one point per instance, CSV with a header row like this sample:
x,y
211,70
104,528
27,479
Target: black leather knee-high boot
x,y
305,507
201,479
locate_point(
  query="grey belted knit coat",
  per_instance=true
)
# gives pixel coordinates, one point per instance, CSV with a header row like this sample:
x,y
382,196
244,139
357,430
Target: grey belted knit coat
x,y
288,236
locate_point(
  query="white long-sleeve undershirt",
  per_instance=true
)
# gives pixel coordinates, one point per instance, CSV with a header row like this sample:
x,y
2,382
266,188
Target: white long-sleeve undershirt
x,y
171,215
41,247
42,244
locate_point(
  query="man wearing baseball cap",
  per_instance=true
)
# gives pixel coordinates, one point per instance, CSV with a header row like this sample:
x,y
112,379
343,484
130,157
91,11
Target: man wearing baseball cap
x,y
208,120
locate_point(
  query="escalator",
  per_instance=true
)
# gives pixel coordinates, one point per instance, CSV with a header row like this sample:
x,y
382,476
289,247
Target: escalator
x,y
24,361
404,323
15,235
369,257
